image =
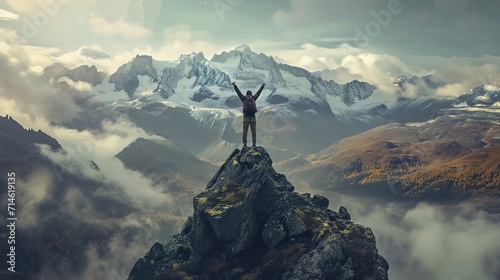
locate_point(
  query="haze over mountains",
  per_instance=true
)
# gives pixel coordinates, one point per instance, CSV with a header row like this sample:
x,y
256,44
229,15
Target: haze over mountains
x,y
177,121
300,113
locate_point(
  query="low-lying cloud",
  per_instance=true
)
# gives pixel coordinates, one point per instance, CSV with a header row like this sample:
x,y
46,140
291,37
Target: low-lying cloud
x,y
452,75
427,241
121,28
119,240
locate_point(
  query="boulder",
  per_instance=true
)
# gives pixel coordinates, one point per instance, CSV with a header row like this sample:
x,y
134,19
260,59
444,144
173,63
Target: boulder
x,y
249,223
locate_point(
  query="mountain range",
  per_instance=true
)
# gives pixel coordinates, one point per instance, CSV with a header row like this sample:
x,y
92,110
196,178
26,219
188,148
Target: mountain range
x,y
68,212
295,104
448,158
303,118
323,135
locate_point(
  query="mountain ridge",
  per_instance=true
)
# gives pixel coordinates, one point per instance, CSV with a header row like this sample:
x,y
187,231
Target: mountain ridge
x,y
167,164
430,160
243,65
250,224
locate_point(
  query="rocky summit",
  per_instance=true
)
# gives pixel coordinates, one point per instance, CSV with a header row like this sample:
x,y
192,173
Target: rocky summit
x,y
250,224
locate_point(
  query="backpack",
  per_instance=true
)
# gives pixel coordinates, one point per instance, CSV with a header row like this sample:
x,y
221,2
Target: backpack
x,y
249,105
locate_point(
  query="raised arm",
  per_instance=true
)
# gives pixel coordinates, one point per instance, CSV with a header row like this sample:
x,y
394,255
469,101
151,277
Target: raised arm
x,y
240,95
259,91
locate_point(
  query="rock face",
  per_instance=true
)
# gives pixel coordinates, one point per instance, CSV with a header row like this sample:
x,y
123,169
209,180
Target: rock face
x,y
190,66
202,94
15,135
419,85
321,88
83,73
250,61
412,161
250,224
126,77
485,95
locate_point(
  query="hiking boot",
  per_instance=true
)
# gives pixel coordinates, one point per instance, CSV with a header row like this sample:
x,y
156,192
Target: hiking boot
x,y
254,145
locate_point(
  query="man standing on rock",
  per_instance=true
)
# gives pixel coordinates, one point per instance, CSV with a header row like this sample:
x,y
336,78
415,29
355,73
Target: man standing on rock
x,y
249,110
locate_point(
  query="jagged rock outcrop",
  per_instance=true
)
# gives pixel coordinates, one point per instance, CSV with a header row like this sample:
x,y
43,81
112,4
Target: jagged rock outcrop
x,y
250,224
248,68
83,73
53,71
88,74
484,95
193,65
126,77
248,62
202,94
204,72
65,235
349,92
356,90
12,133
276,98
168,81
233,102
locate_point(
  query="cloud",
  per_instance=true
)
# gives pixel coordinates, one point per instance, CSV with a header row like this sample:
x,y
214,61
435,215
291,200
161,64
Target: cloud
x,y
378,69
179,40
6,15
36,104
115,243
428,27
34,191
32,96
456,75
344,63
453,75
184,39
122,28
427,241
108,63
322,12
315,58
85,146
78,86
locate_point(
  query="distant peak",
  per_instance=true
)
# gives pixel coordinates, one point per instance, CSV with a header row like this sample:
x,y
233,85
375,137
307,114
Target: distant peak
x,y
243,48
142,56
193,55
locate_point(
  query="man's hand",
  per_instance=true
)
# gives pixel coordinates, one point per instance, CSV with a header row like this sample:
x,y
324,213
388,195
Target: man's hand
x,y
234,83
263,84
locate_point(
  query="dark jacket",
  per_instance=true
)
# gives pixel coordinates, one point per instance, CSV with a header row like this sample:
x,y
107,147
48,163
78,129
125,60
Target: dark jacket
x,y
242,97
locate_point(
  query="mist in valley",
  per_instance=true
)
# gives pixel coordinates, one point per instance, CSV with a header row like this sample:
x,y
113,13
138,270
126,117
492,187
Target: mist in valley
x,y
429,241
84,215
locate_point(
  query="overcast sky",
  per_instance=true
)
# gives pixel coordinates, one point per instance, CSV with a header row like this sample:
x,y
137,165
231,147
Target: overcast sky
x,y
428,27
371,40
347,36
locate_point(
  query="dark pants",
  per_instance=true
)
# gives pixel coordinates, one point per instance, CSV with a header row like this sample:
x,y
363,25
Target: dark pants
x,y
253,126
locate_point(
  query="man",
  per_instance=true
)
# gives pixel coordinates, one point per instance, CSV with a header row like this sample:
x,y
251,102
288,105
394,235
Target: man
x,y
249,111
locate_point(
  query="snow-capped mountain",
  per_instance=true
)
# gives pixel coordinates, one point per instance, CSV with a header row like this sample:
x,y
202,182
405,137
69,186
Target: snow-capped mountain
x,y
197,93
192,66
126,78
181,80
191,102
251,68
83,73
416,86
484,95
321,88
